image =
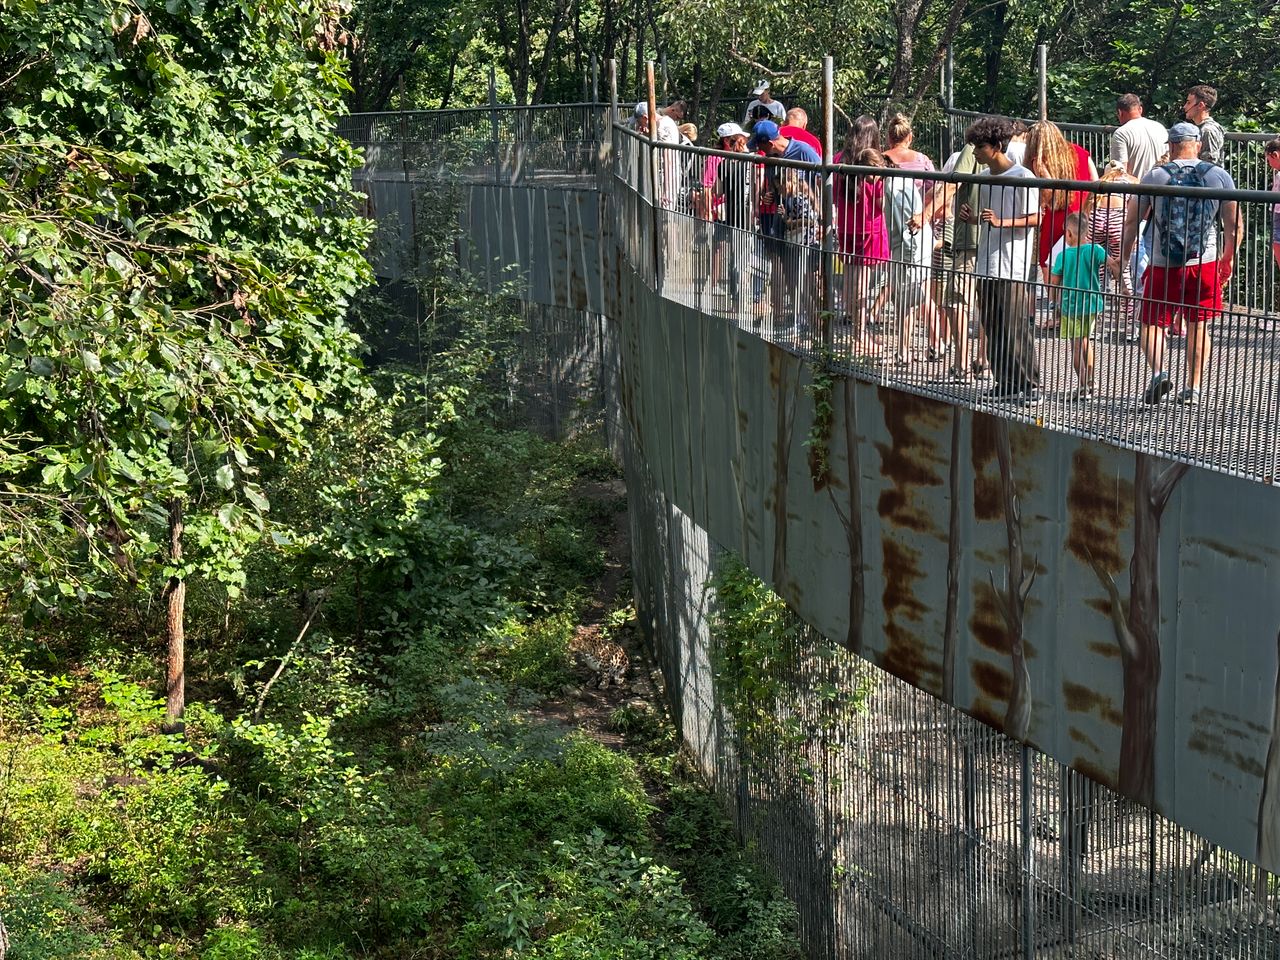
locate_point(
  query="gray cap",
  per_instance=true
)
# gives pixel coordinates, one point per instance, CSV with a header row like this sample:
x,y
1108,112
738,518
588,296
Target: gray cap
x,y
1181,132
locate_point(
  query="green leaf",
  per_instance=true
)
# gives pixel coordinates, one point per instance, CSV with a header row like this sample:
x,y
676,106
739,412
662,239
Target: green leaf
x,y
225,476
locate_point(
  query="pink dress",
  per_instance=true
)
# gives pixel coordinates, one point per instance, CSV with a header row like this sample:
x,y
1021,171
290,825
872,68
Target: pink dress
x,y
860,217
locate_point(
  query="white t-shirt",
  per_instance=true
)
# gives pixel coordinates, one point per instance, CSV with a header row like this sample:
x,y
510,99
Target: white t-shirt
x,y
1017,151
1139,144
1007,252
776,110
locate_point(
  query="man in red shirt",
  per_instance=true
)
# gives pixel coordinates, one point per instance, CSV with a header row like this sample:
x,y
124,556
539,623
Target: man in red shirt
x,y
796,129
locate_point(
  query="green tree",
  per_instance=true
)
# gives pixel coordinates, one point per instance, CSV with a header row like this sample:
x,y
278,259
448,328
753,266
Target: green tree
x,y
179,245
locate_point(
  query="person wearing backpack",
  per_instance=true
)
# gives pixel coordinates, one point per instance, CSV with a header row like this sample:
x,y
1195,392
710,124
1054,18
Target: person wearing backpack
x,y
1191,260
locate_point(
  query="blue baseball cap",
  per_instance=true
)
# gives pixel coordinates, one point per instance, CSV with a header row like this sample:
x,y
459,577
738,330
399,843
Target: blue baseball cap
x,y
1182,132
763,132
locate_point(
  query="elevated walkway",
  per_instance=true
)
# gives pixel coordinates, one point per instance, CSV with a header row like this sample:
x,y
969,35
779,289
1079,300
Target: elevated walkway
x,y
1099,582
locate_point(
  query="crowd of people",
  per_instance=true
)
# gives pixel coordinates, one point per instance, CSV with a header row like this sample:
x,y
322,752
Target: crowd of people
x,y
939,254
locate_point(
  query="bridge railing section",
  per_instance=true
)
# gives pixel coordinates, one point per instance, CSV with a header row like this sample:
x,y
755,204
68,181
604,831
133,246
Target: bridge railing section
x,y
550,143
872,288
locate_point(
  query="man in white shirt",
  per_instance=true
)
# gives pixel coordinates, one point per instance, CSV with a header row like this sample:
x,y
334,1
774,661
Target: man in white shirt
x,y
1138,143
764,99
668,160
1009,215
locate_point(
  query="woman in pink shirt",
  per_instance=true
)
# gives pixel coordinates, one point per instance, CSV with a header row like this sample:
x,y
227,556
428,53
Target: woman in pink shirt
x,y
864,239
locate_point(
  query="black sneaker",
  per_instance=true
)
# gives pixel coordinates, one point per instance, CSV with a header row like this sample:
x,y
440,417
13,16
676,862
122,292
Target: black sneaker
x,y
1159,388
1032,397
1000,393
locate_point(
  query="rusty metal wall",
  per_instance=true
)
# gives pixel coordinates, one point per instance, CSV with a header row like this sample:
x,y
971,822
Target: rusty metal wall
x,y
877,557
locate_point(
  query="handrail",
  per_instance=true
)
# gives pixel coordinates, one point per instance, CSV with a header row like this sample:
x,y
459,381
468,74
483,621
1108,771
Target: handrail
x,y
938,176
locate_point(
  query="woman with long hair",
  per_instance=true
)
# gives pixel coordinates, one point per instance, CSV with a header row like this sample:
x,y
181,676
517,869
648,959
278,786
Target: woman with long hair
x,y
864,239
900,137
1051,156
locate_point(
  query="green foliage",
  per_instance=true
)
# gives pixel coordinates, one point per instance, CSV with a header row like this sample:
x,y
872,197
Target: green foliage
x,y
180,247
820,391
763,658
535,656
756,650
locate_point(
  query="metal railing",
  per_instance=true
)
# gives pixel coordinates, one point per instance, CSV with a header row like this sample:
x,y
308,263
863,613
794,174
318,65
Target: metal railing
x,y
888,309
550,144
904,314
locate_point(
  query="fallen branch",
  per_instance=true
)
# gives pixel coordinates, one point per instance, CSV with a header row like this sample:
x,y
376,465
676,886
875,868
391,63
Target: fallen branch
x,y
284,662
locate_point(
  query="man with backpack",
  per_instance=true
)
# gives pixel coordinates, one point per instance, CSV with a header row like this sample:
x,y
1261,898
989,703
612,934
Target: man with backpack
x,y
1191,260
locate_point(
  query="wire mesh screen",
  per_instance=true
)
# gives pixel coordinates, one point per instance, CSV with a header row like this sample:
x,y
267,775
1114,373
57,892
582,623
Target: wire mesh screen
x,y
903,828
550,144
1179,361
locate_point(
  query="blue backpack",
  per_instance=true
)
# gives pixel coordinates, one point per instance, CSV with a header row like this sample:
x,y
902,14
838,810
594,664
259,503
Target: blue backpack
x,y
1185,225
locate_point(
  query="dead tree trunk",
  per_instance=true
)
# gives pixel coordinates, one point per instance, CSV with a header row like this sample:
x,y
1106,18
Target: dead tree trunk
x,y
175,630
1269,805
1140,650
852,521
1012,600
950,623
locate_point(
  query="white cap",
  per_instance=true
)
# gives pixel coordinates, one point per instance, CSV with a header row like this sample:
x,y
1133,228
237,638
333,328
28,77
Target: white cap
x,y
761,87
730,130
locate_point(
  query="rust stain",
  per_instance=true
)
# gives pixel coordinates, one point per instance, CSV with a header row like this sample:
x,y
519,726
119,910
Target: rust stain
x,y
992,714
1210,744
776,360
912,459
1082,738
987,622
1226,549
905,654
1102,605
988,503
901,571
1210,715
1100,507
905,657
1025,441
993,682
1080,699
1094,772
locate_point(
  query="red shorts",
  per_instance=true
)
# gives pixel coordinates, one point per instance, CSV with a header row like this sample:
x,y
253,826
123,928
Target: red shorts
x,y
1193,291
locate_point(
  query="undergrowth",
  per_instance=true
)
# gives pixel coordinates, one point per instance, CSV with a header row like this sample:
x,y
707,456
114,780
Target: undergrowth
x,y
391,793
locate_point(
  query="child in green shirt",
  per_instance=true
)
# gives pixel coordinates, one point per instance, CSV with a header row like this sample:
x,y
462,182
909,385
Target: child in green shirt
x,y
1077,279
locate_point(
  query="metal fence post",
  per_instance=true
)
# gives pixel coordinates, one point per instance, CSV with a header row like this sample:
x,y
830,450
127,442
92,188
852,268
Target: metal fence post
x,y
493,122
595,79
1027,872
828,187
654,176
1042,60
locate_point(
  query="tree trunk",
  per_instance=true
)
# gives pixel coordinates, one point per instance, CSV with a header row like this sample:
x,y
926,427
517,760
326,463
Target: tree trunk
x,y
714,103
995,54
853,524
175,613
1017,719
548,52
1140,658
1269,805
950,623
